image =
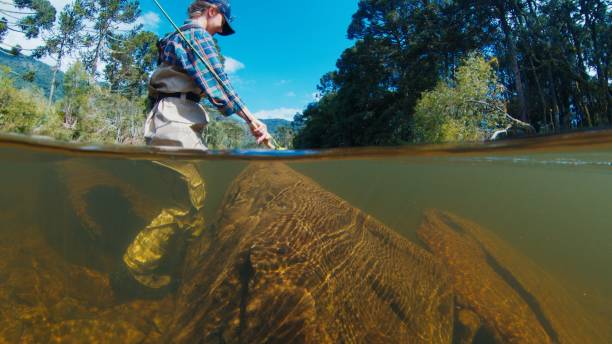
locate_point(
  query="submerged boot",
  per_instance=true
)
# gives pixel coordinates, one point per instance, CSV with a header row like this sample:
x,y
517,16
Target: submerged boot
x,y
164,239
145,254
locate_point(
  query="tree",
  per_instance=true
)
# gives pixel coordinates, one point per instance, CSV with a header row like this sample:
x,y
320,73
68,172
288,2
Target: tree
x,y
20,110
77,91
503,13
39,16
131,60
468,108
41,19
114,119
3,28
284,136
108,17
65,38
225,133
91,113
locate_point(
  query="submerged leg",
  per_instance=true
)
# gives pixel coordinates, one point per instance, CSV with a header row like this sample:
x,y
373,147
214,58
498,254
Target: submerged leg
x,y
165,236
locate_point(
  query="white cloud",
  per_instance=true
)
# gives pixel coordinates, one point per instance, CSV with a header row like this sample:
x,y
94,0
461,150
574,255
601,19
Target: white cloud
x,y
15,38
149,20
282,82
232,65
290,94
280,113
316,96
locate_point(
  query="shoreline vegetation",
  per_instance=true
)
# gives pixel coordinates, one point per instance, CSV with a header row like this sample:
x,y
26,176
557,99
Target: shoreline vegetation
x,y
419,72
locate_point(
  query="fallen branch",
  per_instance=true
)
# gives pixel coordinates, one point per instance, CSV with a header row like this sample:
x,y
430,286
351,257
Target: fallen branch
x,y
503,111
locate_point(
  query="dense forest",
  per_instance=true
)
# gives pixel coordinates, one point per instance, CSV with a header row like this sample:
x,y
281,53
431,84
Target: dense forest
x,y
399,82
419,71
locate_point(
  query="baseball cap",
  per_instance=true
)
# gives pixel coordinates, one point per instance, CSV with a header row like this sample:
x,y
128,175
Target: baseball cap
x,y
226,10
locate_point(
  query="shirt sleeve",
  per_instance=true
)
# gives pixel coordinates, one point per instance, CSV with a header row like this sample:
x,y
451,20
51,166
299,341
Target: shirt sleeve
x,y
177,52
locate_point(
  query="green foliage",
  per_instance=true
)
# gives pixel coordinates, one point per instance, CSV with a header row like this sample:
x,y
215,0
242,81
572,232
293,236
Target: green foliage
x,y
90,113
399,53
131,60
284,136
283,131
29,76
27,68
225,133
107,16
20,110
466,109
553,61
77,90
232,133
115,119
42,19
68,35
3,28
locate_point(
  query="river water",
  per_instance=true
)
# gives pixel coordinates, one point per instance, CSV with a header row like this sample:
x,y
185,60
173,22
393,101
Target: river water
x,y
69,212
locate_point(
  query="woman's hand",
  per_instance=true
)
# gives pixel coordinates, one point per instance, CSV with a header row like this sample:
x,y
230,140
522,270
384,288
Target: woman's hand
x,y
260,132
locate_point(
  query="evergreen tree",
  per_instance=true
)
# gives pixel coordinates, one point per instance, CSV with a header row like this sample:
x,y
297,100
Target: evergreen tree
x,y
31,17
131,60
41,19
65,38
108,17
3,28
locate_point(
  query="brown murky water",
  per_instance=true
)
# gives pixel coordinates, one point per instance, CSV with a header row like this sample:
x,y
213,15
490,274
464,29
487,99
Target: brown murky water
x,y
509,242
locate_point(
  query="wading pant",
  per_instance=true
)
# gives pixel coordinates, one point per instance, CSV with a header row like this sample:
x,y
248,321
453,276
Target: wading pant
x,y
173,122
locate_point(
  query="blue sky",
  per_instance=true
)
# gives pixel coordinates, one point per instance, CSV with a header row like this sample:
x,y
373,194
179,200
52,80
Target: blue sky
x,y
280,50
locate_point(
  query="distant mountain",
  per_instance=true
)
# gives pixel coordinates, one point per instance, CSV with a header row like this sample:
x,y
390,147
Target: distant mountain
x,y
274,124
42,78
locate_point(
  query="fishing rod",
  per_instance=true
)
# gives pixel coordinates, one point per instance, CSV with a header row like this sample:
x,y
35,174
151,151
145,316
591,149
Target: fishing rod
x,y
273,144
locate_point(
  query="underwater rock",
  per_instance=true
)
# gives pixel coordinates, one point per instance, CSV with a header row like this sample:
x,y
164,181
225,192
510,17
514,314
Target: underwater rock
x,y
106,212
467,326
94,331
44,298
290,262
517,301
104,205
82,179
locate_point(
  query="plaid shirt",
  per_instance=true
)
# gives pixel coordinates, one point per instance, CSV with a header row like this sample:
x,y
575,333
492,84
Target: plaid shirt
x,y
176,52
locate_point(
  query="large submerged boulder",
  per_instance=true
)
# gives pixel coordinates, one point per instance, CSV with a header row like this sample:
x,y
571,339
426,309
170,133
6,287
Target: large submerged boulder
x,y
516,300
290,262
